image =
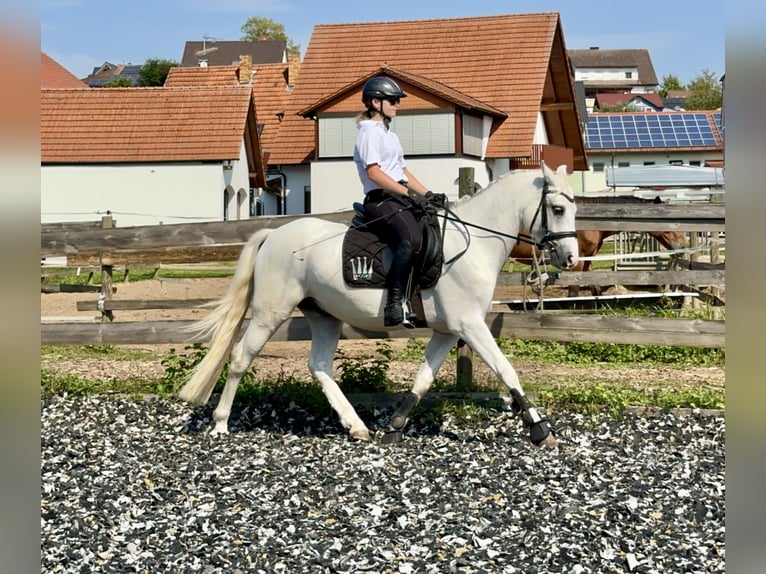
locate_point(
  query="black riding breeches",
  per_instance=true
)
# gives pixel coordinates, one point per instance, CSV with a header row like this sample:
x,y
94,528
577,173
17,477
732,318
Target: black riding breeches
x,y
393,216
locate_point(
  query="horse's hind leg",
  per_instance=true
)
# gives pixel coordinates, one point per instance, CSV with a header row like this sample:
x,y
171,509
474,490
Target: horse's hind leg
x,y
325,334
245,351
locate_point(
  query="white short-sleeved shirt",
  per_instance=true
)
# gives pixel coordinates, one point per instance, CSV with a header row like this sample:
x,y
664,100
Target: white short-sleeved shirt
x,y
376,144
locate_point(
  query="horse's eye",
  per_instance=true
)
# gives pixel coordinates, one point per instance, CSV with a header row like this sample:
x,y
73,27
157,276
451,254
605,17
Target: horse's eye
x,y
558,210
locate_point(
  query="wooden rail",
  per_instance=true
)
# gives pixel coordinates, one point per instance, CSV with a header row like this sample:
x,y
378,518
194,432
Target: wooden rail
x,y
532,326
223,241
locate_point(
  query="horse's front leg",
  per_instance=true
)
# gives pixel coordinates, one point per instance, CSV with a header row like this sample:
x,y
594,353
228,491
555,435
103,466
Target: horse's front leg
x,y
436,351
481,340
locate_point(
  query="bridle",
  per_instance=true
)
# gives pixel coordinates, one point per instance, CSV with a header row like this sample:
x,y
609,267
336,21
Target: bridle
x,y
548,237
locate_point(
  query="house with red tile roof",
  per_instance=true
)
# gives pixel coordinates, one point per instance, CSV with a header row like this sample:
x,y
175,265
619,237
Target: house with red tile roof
x,y
214,52
54,75
149,155
649,102
271,84
491,93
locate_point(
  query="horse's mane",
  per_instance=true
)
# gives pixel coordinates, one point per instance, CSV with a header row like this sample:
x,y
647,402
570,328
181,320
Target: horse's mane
x,y
478,189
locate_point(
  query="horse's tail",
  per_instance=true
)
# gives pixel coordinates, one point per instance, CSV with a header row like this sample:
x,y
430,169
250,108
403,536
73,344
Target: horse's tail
x,y
223,323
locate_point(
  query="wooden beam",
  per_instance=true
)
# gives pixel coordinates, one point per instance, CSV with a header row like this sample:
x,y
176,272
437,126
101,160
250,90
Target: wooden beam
x,y
557,107
532,326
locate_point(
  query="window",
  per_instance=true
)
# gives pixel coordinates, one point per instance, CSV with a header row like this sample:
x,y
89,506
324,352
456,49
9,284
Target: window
x,y
628,75
598,166
676,162
472,135
256,205
422,133
648,163
623,164
695,162
306,199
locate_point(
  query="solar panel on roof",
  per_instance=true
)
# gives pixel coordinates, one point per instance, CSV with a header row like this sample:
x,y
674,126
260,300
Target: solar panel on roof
x,y
649,130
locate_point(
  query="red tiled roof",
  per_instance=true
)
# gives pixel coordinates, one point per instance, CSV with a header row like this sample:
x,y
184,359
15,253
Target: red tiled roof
x,y
143,124
608,99
502,61
268,82
54,75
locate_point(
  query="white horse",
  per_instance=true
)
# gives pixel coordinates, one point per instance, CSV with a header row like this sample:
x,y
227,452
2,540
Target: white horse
x,y
298,265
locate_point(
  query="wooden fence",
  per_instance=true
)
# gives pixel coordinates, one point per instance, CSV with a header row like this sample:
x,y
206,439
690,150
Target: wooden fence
x,y
107,247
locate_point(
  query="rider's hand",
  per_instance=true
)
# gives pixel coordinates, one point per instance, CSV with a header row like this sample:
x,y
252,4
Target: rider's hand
x,y
437,199
419,200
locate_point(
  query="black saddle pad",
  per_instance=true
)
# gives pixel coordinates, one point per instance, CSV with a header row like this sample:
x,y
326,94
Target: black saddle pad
x,y
366,258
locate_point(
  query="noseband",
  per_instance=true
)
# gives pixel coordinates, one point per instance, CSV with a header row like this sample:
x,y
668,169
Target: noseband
x,y
549,237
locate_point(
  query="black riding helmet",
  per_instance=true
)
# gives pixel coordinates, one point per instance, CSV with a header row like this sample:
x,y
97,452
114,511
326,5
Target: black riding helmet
x,y
381,87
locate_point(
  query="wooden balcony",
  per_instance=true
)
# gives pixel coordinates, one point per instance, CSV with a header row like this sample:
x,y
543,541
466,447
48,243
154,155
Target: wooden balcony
x,y
552,155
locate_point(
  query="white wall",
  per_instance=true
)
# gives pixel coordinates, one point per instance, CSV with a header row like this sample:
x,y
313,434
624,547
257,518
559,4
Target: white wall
x,y
335,185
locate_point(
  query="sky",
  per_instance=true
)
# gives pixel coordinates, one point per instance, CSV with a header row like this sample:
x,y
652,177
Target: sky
x,y
684,37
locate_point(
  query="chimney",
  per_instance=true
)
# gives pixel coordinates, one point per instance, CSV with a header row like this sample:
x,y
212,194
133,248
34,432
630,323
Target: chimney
x,y
245,68
293,66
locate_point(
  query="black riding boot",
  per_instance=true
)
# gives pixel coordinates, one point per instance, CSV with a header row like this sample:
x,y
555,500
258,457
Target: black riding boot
x,y
397,307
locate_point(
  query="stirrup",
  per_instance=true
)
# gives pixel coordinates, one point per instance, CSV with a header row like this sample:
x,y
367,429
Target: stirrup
x,y
399,314
408,317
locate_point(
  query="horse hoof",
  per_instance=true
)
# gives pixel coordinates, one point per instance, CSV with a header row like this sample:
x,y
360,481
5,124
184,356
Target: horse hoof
x,y
392,437
363,434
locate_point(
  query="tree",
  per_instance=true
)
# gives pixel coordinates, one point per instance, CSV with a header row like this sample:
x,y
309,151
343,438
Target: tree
x,y
119,83
706,92
670,82
155,71
257,28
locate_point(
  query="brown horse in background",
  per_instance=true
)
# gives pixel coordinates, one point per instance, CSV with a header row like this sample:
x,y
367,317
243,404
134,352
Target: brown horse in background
x,y
590,241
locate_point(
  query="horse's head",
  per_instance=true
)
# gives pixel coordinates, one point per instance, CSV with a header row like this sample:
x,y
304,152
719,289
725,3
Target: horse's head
x,y
553,223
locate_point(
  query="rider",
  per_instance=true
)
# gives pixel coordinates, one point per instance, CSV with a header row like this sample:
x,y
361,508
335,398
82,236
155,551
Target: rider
x,y
390,190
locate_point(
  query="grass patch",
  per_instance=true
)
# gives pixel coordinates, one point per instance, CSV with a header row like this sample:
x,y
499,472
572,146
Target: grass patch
x,y
370,374
68,276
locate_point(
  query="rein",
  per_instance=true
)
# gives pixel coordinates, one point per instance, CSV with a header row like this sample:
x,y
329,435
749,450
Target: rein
x,y
547,238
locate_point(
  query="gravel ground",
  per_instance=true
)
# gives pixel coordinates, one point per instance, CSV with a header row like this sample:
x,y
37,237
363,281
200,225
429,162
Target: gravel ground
x,y
140,486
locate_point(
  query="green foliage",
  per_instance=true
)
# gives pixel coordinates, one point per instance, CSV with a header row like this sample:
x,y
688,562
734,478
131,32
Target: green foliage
x,y
670,82
155,71
52,383
257,28
366,374
179,367
119,83
598,397
413,351
706,92
616,108
577,353
65,275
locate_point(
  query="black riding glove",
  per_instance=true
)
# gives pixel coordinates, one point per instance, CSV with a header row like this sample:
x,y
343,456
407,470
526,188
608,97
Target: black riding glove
x,y
419,200
436,199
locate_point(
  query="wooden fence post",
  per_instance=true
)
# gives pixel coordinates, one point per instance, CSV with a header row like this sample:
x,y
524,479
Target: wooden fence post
x,y
464,370
107,222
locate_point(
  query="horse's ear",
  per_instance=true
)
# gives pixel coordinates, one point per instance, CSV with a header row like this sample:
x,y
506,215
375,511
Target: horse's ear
x,y
548,173
658,199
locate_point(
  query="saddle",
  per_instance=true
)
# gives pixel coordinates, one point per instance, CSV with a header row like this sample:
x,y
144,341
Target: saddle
x,y
367,258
